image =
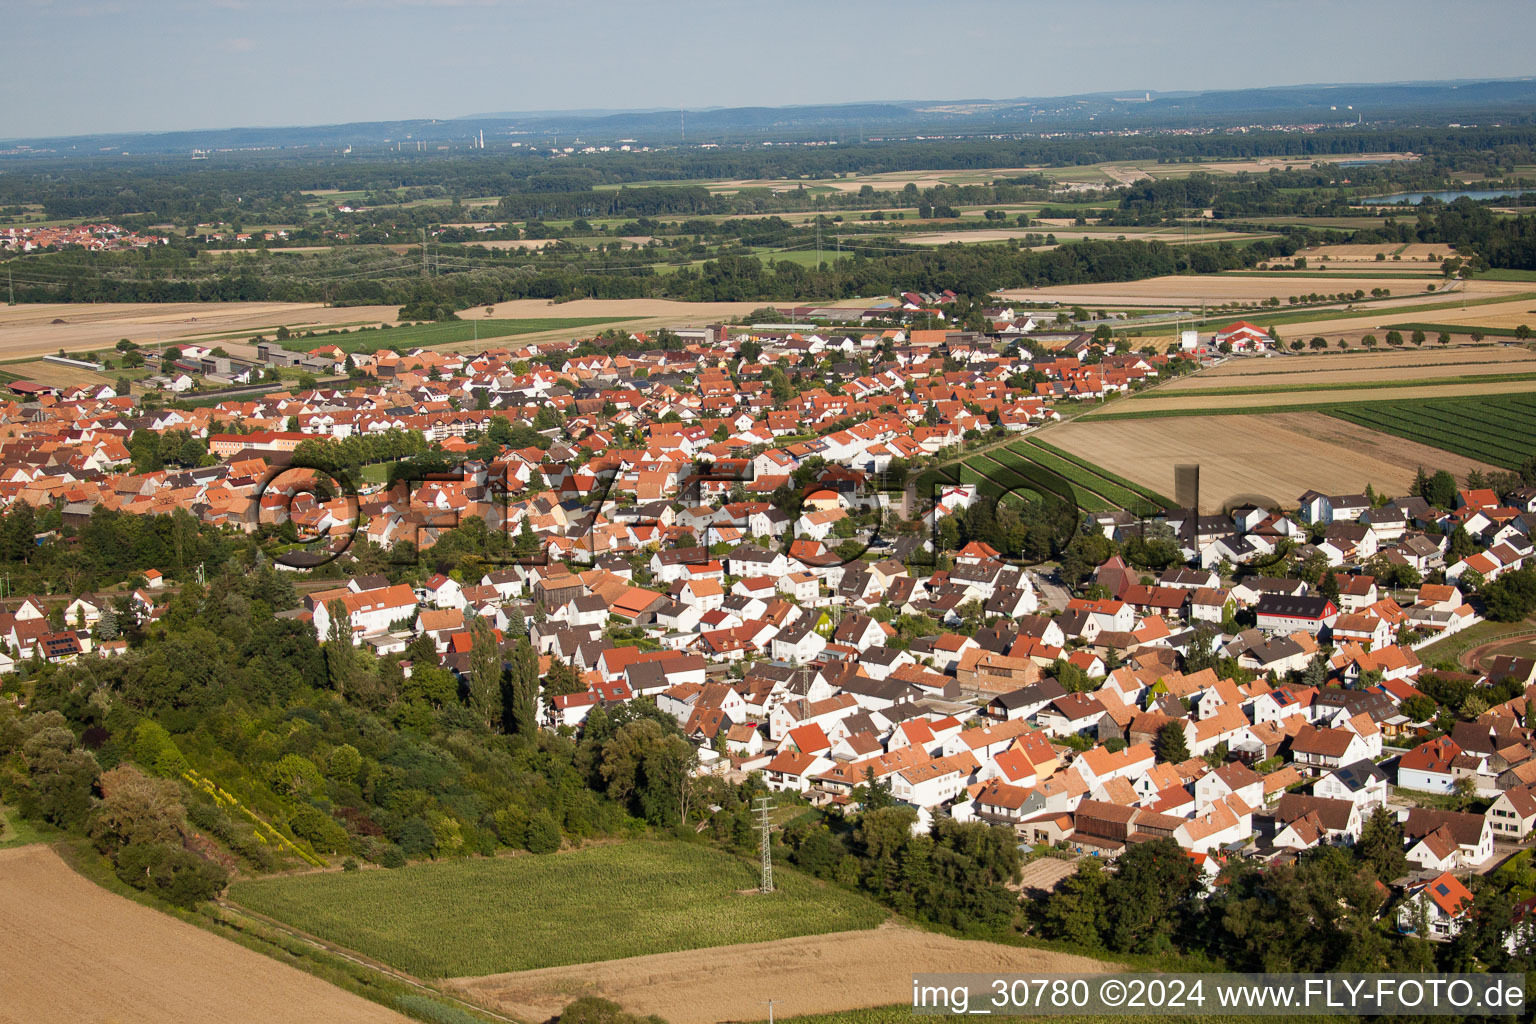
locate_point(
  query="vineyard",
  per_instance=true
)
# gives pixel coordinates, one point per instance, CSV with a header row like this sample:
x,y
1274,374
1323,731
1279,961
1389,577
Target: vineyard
x,y
479,916
1496,429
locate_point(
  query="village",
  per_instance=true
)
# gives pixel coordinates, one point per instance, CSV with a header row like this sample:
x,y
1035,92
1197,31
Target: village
x,y
704,525
92,237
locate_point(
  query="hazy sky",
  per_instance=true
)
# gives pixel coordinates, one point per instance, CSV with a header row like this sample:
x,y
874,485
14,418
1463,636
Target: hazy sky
x,y
80,66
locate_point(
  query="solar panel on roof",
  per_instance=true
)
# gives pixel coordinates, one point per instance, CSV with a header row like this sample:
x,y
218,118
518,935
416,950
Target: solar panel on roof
x,y
1443,889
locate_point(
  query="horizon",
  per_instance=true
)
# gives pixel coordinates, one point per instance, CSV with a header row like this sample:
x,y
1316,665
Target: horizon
x,y
601,112
232,64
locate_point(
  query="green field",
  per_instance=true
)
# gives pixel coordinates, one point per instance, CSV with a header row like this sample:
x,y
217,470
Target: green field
x,y
1009,474
461,918
451,332
1492,332
1139,495
17,831
1497,429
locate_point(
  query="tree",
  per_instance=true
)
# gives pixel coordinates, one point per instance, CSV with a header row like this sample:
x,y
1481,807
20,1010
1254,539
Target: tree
x,y
1380,847
106,626
344,763
1078,911
1171,744
651,770
521,691
1152,885
485,673
1460,545
1329,586
136,808
295,775
1421,708
1441,492
562,679
340,658
874,794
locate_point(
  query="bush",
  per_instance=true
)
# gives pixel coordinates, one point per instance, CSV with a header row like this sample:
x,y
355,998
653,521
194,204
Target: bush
x,y
592,1010
176,875
154,749
543,834
429,1009
319,829
511,825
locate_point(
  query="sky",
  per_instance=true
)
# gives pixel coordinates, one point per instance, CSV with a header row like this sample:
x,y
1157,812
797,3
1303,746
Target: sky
x,y
88,66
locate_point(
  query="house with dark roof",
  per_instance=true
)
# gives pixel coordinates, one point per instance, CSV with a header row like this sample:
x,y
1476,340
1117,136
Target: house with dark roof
x,y
1435,836
1310,613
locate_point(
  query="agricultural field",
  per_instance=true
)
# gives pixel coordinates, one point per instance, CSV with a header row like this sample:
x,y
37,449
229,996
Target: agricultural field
x,y
1155,405
1496,429
1186,291
845,971
61,376
1173,236
1096,489
40,329
1403,375
1432,360
601,903
450,332
1277,455
72,951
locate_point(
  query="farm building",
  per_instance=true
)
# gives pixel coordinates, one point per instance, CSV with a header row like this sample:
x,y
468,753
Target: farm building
x,y
1244,337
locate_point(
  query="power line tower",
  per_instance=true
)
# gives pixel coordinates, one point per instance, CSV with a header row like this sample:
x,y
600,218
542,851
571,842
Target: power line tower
x,y
762,805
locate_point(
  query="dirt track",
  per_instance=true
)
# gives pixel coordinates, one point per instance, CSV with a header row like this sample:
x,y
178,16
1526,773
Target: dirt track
x,y
814,974
73,953
1472,658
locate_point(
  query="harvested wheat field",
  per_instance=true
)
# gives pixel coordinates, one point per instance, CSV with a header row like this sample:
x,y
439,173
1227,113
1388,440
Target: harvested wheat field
x,y
1434,360
71,952
1366,252
1302,372
1507,313
1192,290
1159,401
57,374
31,330
813,974
1173,236
625,314
680,312
1274,456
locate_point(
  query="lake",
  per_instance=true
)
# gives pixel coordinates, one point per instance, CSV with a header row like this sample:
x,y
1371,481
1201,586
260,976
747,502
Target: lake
x,y
1414,198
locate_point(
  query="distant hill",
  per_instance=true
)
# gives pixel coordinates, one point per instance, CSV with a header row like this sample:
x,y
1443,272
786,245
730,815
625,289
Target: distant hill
x,y
1508,101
